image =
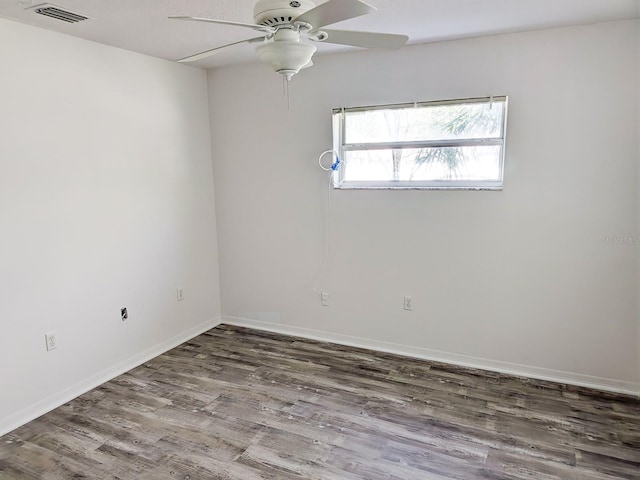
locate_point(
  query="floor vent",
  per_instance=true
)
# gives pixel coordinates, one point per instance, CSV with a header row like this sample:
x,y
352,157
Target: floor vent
x,y
58,13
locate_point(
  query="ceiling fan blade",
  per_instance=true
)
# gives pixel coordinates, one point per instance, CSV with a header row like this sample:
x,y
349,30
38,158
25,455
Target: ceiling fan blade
x,y
334,11
365,39
208,53
259,28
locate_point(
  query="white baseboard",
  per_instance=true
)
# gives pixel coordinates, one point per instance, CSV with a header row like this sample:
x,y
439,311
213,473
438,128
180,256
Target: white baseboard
x,y
569,378
38,409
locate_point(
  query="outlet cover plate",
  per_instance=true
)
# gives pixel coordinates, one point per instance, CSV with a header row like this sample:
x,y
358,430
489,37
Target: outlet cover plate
x,y
408,303
325,299
50,339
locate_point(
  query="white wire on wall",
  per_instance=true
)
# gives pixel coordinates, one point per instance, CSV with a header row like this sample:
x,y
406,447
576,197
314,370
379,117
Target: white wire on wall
x,y
334,165
334,168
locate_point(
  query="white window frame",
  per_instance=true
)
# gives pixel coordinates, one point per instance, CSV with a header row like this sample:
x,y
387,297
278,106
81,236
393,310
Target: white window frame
x,y
339,134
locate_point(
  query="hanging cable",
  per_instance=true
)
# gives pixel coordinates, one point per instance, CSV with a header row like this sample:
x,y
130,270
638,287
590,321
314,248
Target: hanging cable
x,y
334,168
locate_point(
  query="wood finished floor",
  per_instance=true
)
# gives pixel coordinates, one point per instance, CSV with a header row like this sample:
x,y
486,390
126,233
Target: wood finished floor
x,y
241,404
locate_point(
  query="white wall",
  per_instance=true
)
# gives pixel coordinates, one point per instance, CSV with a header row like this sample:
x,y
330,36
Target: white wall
x,y
638,192
106,201
521,280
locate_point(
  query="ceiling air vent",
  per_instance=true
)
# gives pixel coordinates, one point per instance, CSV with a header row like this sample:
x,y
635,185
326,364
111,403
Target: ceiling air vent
x,y
58,13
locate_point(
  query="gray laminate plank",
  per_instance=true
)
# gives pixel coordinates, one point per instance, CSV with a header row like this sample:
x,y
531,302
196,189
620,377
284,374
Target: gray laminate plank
x,y
240,404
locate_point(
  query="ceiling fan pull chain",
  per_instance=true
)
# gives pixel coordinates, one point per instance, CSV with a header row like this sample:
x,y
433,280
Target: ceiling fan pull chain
x,y
285,90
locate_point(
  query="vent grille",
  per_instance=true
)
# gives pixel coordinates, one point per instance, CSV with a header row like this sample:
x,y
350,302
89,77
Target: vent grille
x,y
59,13
276,21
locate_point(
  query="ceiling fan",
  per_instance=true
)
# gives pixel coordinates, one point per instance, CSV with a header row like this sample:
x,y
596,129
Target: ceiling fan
x,y
285,26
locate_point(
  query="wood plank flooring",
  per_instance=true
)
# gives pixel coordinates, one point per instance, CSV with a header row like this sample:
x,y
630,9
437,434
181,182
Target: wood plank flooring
x,y
238,404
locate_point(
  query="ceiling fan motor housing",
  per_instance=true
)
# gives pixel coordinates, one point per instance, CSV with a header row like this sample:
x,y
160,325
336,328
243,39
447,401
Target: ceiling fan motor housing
x,y
274,13
286,53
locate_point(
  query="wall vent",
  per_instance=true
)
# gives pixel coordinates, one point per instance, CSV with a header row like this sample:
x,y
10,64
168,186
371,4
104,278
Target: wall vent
x,y
53,11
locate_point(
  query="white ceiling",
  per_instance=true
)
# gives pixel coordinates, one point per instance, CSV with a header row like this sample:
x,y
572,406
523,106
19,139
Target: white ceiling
x,y
142,25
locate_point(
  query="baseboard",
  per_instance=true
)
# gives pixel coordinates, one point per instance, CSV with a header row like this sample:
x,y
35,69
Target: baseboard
x,y
569,378
54,401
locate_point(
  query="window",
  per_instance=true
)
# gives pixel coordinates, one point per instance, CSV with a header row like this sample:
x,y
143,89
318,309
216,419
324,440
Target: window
x,y
439,145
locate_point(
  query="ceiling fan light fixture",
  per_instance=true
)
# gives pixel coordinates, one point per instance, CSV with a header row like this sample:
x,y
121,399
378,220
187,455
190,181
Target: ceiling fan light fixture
x,y
284,23
286,57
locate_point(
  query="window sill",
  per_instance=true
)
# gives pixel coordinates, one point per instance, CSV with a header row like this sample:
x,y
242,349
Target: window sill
x,y
489,189
490,186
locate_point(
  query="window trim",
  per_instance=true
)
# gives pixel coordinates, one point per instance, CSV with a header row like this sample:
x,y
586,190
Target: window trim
x,y
339,125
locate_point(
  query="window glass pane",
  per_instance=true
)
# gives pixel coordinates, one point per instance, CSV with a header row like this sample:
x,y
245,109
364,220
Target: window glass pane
x,y
423,164
425,123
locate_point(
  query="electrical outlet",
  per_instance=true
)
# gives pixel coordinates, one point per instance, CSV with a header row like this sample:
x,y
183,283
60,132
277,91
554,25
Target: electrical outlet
x,y
180,294
50,338
124,314
408,303
325,298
